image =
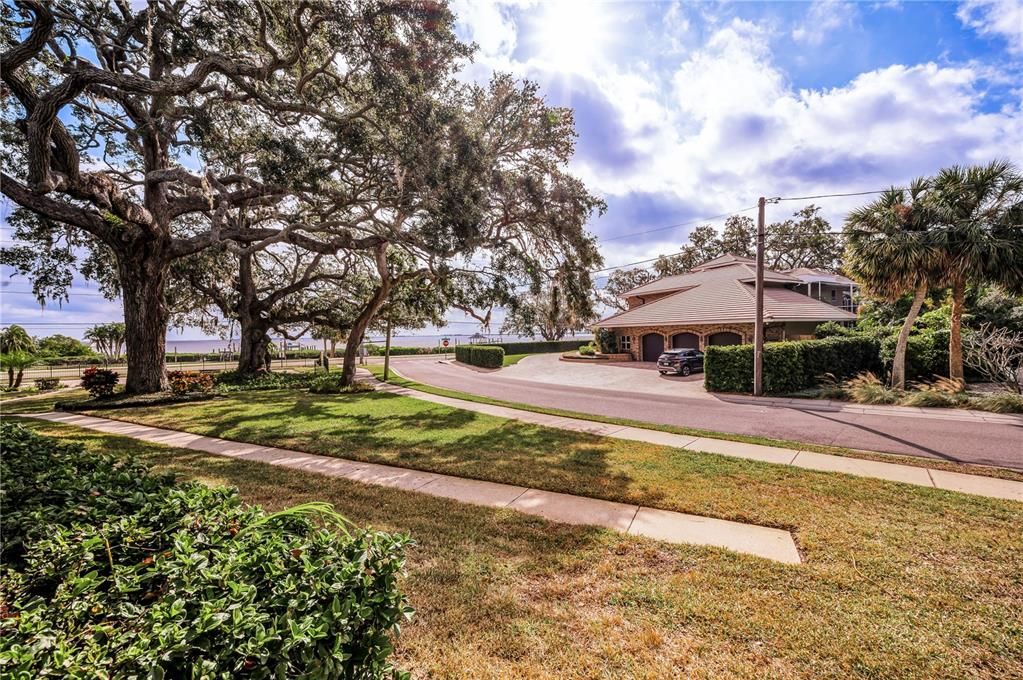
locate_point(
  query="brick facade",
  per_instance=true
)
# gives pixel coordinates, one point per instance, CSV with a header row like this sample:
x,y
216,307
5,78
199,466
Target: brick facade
x,y
635,335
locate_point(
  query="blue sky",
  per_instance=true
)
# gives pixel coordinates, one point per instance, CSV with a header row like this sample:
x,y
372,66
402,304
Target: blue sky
x,y
690,110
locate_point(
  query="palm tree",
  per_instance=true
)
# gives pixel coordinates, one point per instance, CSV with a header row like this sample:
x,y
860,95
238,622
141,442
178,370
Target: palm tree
x,y
15,342
891,252
17,360
981,232
108,338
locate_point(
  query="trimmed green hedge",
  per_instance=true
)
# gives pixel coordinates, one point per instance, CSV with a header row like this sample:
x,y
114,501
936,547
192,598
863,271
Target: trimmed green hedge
x,y
790,366
378,350
539,346
112,571
484,356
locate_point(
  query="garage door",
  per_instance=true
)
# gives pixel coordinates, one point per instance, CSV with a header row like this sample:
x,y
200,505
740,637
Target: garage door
x,y
653,346
685,341
725,338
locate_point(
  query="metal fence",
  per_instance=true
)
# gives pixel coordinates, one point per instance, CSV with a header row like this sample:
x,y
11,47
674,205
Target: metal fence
x,y
224,363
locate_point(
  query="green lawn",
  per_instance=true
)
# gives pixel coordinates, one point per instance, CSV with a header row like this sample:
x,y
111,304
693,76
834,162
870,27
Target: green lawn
x,y
42,401
512,359
397,379
899,582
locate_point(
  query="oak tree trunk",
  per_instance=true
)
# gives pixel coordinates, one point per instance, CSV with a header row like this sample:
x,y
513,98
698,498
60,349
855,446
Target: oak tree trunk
x,y
358,330
254,340
143,269
899,361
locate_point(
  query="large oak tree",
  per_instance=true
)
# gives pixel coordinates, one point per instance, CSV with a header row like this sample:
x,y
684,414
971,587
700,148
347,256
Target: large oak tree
x,y
114,113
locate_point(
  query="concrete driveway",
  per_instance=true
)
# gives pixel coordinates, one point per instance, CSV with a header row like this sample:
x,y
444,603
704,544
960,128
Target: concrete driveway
x,y
639,376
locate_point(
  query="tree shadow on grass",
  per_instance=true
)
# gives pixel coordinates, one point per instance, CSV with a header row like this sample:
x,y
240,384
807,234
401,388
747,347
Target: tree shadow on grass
x,y
395,430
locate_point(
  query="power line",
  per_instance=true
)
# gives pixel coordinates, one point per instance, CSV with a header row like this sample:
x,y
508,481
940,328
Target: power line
x,y
808,198
680,224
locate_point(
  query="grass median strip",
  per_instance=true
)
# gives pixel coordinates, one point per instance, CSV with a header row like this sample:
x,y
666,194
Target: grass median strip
x,y
1001,473
899,582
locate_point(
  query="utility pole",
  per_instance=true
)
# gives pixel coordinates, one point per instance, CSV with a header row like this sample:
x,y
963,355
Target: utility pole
x,y
758,326
387,351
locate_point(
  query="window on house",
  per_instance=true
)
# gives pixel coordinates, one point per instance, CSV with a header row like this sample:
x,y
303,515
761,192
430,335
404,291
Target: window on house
x,y
625,342
833,294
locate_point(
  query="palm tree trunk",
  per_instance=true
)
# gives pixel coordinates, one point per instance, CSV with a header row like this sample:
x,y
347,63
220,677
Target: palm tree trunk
x,y
955,331
899,361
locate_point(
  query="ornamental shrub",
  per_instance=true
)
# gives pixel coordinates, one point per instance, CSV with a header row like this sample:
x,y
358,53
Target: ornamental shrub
x,y
588,350
926,354
100,382
484,356
330,383
110,570
607,341
47,384
234,381
790,366
184,382
538,346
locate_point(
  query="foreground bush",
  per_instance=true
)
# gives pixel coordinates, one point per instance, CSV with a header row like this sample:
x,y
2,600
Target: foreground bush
x,y
484,356
331,384
184,382
100,382
233,381
538,346
47,384
790,366
112,571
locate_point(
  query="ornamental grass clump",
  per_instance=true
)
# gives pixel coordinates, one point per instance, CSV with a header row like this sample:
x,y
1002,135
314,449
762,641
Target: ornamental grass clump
x,y
110,570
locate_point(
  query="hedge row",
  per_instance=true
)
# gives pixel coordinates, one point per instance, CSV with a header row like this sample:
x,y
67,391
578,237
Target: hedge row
x,y
378,350
540,346
485,356
112,571
790,366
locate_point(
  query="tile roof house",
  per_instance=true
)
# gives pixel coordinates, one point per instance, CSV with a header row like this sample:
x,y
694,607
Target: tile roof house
x,y
715,304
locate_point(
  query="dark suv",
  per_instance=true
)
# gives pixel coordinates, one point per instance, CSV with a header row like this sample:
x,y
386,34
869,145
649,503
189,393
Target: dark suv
x,y
680,361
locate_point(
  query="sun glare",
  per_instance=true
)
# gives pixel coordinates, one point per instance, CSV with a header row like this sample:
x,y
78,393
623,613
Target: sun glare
x,y
571,35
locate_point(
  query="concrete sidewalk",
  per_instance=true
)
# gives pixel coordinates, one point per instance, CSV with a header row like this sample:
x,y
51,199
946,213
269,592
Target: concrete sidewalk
x,y
663,525
896,472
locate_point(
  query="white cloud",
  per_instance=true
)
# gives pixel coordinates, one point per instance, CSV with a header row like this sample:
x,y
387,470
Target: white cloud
x,y
823,18
1002,18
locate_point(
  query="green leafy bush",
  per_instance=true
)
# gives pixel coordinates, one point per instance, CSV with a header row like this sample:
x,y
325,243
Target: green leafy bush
x,y
588,350
378,350
100,382
833,329
607,341
47,384
330,383
484,356
538,346
790,366
183,382
234,381
109,570
926,354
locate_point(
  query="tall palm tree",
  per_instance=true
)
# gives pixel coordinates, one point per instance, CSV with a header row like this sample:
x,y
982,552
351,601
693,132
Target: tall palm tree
x,y
981,212
891,251
16,345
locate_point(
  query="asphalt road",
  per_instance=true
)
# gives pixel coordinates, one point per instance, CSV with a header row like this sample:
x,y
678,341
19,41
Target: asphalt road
x,y
959,441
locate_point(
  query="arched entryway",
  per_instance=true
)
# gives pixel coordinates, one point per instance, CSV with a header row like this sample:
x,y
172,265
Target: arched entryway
x,y
653,346
725,338
685,341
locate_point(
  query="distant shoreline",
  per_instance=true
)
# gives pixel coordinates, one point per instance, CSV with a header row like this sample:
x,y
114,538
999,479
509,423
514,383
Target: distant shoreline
x,y
218,345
